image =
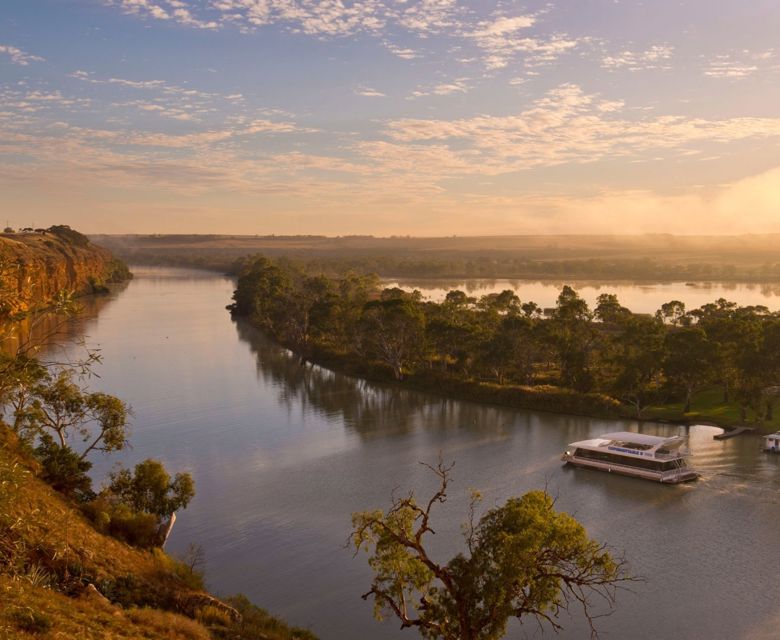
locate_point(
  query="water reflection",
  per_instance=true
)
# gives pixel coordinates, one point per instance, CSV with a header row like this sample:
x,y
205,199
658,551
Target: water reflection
x,y
368,408
56,332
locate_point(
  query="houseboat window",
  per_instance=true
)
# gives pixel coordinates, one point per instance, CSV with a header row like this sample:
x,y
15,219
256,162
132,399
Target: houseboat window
x,y
639,463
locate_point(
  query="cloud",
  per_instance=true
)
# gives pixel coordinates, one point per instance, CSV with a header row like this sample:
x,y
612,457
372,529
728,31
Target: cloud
x,y
401,52
569,126
368,92
313,17
501,49
459,85
739,65
427,17
18,56
174,10
657,57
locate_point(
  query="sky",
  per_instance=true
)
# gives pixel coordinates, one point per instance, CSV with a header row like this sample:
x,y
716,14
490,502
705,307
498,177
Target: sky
x,y
391,117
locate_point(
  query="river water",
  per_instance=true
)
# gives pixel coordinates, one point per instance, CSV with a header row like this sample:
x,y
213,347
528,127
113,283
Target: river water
x,y
639,297
282,455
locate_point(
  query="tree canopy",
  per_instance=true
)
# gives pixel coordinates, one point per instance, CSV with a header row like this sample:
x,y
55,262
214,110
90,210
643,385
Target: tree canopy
x,y
523,560
613,360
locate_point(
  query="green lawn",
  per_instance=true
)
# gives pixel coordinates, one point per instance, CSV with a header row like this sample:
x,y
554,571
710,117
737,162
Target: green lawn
x,y
708,405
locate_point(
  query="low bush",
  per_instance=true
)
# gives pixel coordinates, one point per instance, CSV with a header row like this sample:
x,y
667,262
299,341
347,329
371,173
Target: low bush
x,y
31,621
120,521
64,469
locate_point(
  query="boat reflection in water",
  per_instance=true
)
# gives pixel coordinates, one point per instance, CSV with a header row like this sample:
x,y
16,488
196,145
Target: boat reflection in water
x,y
663,459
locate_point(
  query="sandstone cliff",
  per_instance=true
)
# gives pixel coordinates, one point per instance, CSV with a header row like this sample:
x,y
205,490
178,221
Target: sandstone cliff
x,y
36,267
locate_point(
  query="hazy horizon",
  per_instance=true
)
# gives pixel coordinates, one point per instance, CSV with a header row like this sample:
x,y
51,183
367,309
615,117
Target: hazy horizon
x,y
390,117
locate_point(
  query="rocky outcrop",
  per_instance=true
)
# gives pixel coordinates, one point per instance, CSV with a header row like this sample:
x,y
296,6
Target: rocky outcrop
x,y
36,267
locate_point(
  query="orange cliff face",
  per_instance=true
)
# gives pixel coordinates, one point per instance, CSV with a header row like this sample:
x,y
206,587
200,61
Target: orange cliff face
x,y
36,267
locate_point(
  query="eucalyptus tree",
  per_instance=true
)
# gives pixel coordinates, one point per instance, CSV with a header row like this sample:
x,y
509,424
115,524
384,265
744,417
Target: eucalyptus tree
x,y
70,414
392,331
573,336
688,361
523,559
637,361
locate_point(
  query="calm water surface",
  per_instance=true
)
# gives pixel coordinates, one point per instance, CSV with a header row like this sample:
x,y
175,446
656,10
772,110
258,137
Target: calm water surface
x,y
640,298
282,455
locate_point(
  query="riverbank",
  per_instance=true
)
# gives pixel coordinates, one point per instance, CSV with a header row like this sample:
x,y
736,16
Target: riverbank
x,y
547,398
58,574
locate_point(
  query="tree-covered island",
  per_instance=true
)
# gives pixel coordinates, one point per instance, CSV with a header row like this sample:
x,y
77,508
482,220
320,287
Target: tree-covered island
x,y
718,363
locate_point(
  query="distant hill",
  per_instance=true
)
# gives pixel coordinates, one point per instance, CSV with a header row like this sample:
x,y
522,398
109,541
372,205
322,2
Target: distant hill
x,y
641,257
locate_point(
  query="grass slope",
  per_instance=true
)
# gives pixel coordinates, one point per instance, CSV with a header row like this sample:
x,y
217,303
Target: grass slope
x,y
49,554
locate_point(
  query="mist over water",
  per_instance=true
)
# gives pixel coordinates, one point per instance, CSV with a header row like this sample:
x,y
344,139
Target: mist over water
x,y
282,455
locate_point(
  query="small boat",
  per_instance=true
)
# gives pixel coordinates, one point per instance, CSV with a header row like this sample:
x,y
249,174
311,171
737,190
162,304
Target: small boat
x,y
772,442
634,454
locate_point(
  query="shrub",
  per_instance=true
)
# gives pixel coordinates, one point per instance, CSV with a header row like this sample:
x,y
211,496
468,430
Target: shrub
x,y
31,621
67,234
212,616
150,489
258,623
120,521
64,469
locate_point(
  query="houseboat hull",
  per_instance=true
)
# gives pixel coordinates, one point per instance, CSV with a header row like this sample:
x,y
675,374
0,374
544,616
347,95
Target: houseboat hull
x,y
676,476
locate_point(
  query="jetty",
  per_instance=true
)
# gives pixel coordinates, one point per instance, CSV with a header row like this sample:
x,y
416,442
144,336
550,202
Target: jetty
x,y
733,432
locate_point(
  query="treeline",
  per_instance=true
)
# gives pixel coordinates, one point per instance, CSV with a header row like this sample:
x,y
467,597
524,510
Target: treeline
x,y
491,267
497,348
233,261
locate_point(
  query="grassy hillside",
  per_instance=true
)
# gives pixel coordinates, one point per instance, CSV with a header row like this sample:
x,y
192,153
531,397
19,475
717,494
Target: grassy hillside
x,y
59,578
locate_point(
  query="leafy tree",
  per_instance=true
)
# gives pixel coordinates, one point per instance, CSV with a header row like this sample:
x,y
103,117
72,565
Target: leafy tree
x,y
688,362
609,310
637,361
64,469
523,560
69,235
393,330
149,489
510,351
572,335
63,409
308,311
673,313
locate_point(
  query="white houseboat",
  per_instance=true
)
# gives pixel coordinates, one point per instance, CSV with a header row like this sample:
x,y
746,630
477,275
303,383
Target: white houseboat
x,y
634,454
772,442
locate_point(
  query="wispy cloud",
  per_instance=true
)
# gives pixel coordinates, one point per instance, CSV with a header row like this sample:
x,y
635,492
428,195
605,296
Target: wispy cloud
x,y
18,56
458,85
368,92
504,39
570,126
173,10
657,57
738,65
402,52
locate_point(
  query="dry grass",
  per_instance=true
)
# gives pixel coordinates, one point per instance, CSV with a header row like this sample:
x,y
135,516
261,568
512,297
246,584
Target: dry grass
x,y
49,553
85,618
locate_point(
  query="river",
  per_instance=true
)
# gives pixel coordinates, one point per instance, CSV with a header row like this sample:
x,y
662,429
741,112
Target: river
x,y
639,297
282,455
